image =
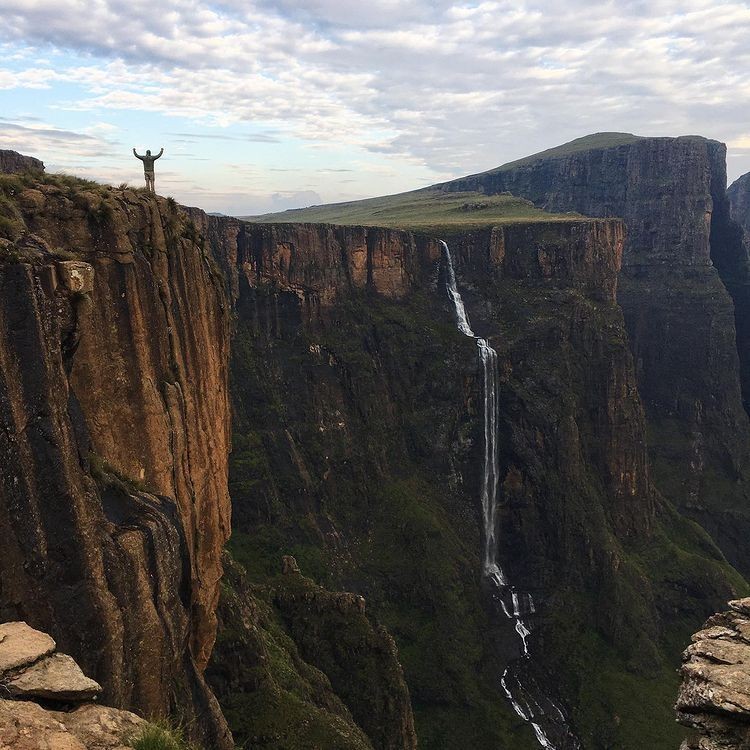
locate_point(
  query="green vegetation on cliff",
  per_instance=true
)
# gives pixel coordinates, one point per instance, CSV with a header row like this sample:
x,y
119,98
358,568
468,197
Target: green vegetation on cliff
x,y
357,449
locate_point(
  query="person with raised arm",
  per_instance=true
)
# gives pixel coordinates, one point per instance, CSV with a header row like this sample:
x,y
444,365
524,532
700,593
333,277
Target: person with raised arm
x,y
148,167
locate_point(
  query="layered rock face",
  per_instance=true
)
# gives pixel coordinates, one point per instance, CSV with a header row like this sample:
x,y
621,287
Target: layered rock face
x,y
684,292
714,698
358,447
318,262
114,335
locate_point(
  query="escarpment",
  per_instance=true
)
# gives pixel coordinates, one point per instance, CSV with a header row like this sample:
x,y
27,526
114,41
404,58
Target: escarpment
x,y
684,292
11,162
114,335
357,447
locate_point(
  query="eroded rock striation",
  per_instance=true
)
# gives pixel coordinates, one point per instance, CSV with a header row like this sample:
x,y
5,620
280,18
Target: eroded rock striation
x,y
114,336
714,698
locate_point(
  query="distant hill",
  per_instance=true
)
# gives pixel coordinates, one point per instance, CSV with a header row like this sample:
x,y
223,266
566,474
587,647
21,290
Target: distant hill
x,y
434,210
427,210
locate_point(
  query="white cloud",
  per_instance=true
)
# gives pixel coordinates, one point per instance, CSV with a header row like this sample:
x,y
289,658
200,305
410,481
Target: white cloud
x,y
456,86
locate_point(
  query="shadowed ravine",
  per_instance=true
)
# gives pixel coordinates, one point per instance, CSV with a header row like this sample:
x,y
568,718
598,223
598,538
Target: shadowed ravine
x,y
522,690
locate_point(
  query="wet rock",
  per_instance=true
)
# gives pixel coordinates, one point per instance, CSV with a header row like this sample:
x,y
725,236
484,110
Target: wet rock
x,y
21,645
56,677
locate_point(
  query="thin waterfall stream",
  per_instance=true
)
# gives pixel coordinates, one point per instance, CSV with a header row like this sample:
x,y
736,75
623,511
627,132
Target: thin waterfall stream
x,y
513,604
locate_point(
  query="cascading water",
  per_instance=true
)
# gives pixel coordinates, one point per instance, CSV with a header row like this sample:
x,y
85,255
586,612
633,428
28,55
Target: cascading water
x,y
505,594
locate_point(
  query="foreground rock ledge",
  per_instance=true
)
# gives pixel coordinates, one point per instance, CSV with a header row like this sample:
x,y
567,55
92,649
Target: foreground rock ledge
x,y
714,697
27,726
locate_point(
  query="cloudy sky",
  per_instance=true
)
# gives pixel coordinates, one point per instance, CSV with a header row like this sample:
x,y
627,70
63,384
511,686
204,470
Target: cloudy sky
x,y
266,104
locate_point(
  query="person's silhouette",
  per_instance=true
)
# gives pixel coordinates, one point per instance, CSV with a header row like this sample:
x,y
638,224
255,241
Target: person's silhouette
x,y
148,167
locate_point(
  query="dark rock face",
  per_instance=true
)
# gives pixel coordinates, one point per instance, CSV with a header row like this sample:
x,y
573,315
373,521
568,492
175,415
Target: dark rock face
x,y
114,412
357,447
11,162
714,698
685,295
739,198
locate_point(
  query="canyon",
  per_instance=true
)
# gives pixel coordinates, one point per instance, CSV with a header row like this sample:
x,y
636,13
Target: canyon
x,y
243,460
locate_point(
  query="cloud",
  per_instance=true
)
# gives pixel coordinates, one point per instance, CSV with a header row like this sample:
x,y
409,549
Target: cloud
x,y
453,86
295,199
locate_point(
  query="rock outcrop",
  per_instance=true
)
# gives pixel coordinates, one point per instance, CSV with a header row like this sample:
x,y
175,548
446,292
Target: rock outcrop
x,y
686,298
27,726
11,162
714,698
30,670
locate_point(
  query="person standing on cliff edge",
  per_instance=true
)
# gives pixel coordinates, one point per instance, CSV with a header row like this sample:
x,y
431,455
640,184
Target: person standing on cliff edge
x,y
148,167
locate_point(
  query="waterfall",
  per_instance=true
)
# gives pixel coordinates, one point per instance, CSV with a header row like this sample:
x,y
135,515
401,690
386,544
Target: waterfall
x,y
490,567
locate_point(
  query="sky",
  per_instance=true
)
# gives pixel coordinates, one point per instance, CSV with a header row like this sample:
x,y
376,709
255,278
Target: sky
x,y
263,105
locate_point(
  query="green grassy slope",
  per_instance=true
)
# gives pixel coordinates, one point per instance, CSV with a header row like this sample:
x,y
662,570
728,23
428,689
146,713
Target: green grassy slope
x,y
429,211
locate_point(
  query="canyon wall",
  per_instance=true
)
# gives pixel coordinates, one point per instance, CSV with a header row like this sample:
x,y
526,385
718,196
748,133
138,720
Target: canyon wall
x,y
357,447
356,414
739,199
686,299
114,345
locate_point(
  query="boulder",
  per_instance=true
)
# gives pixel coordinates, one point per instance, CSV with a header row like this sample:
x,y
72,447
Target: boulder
x,y
714,697
28,726
21,645
56,677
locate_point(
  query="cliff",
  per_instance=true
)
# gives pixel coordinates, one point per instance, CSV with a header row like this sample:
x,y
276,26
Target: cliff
x,y
297,666
127,327
739,199
11,162
685,296
114,336
357,448
714,698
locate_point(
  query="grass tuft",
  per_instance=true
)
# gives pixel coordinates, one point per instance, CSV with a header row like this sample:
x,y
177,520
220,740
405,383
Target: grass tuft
x,y
160,736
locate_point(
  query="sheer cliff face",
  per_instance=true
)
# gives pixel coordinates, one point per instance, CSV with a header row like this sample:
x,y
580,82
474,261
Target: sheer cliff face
x,y
739,198
114,335
357,447
686,299
11,162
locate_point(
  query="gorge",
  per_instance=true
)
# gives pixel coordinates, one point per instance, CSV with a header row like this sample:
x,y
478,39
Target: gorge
x,y
262,474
